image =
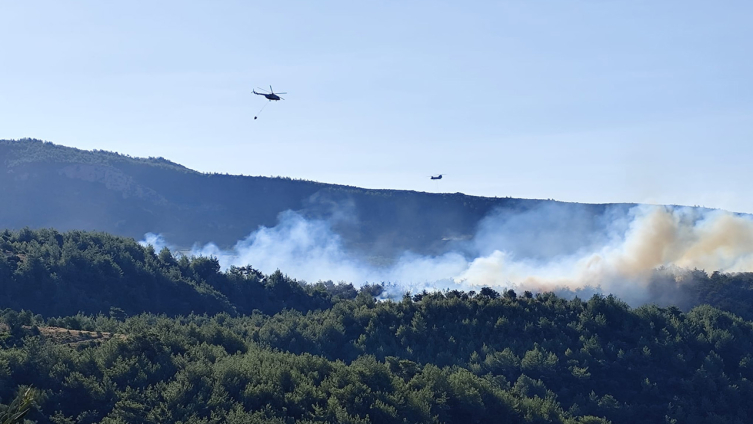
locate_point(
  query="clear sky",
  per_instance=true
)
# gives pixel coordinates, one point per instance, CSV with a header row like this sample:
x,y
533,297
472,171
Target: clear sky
x,y
587,101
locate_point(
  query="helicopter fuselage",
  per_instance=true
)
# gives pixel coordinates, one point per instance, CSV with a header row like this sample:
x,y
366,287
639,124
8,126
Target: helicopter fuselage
x,y
438,177
270,96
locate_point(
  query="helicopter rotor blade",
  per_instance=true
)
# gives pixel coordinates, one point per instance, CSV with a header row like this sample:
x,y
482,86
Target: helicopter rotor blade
x,y
270,89
262,89
280,97
282,93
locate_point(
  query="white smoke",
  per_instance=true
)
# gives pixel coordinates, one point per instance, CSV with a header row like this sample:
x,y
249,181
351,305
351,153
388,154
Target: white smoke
x,y
655,237
308,249
553,247
305,249
157,241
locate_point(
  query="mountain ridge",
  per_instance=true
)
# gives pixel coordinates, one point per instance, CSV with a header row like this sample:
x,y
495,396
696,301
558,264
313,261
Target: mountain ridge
x,y
48,185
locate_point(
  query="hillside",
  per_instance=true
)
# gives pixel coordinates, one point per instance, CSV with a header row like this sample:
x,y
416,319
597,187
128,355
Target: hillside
x,y
57,274
46,185
264,348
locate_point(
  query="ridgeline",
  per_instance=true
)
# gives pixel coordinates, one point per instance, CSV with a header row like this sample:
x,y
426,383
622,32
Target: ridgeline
x,y
50,186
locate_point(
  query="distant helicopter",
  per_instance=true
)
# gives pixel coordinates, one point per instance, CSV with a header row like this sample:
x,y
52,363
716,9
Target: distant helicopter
x,y
271,95
438,177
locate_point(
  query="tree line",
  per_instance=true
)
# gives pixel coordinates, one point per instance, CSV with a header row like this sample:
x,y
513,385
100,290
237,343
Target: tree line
x,y
241,346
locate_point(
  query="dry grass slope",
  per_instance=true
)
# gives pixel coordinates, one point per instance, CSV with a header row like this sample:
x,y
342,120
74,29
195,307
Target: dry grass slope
x,y
72,338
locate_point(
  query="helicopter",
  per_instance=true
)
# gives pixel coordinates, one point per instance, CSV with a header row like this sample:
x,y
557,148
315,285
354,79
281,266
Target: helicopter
x,y
438,177
271,95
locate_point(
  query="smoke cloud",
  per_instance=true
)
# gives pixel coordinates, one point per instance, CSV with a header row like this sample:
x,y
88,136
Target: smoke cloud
x,y
554,247
656,237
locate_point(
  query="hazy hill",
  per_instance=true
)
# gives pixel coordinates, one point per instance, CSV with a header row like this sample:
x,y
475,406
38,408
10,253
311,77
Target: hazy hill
x,y
46,185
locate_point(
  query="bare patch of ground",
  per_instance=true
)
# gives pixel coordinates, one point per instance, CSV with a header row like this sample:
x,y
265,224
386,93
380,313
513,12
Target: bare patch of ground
x,y
73,338
68,337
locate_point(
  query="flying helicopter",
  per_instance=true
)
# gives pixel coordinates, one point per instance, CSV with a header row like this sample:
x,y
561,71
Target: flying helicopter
x,y
438,177
271,95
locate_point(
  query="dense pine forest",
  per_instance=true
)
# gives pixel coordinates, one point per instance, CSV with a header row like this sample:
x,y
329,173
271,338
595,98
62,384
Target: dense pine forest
x,y
106,330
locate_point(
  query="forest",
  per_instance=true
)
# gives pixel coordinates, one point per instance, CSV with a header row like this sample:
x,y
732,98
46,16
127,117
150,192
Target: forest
x,y
105,330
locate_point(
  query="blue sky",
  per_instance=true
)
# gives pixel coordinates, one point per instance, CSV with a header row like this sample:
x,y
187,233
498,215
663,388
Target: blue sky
x,y
587,101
